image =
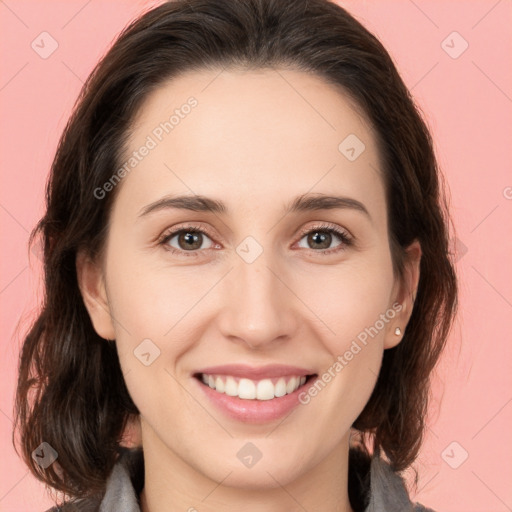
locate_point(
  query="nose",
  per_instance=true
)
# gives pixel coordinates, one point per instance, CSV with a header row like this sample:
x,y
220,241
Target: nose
x,y
259,307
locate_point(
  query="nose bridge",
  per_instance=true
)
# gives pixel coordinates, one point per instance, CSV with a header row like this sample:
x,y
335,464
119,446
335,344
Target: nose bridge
x,y
259,306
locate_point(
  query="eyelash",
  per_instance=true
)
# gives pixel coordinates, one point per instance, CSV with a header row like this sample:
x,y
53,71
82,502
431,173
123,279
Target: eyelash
x,y
345,238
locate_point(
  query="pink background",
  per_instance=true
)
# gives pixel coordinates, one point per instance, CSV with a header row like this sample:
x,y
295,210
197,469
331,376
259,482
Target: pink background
x,y
468,104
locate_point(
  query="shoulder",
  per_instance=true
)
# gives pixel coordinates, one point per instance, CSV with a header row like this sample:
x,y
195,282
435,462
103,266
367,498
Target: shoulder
x,y
387,490
418,507
123,485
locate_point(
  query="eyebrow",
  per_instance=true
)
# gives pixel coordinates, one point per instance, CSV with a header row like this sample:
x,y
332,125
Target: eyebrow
x,y
302,203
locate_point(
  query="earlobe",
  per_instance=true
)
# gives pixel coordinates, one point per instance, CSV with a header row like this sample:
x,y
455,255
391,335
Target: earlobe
x,y
132,433
395,331
92,288
405,295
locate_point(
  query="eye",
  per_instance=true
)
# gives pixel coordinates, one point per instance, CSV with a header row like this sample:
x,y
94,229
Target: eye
x,y
322,237
189,240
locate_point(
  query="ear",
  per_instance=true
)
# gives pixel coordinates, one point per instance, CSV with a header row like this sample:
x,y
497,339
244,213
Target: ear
x,y
404,294
132,434
92,287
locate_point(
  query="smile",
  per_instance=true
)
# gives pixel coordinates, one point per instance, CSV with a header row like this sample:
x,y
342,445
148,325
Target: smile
x,y
253,401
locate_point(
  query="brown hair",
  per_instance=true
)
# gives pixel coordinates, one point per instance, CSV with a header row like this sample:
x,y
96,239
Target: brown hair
x,y
71,391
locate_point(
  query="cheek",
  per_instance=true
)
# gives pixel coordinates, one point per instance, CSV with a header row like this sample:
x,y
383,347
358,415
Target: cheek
x,y
350,300
155,310
151,312
353,306
149,300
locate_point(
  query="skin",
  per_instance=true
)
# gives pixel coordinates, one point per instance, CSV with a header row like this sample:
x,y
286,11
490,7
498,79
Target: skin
x,y
256,140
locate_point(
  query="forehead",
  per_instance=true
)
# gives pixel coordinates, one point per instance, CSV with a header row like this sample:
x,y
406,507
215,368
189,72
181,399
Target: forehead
x,y
250,134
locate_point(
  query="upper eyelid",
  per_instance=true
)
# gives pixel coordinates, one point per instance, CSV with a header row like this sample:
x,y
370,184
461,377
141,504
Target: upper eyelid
x,y
326,226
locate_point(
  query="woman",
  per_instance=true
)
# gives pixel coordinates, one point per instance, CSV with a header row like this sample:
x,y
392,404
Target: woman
x,y
247,268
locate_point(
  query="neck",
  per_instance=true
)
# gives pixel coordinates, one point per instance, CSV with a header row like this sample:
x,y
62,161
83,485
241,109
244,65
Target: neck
x,y
172,485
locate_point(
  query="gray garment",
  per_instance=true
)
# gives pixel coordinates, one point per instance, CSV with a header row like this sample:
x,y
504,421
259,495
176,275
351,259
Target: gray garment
x,y
387,490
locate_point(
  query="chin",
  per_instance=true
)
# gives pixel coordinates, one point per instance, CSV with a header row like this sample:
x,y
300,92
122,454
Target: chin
x,y
259,477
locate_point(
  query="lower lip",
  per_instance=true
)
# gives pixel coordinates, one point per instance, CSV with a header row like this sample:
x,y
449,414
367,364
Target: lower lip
x,y
254,411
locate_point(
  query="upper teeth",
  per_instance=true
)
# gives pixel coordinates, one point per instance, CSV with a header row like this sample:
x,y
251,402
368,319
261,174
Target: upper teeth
x,y
249,389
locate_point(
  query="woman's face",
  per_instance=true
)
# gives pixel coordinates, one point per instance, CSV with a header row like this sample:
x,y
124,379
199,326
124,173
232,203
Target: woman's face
x,y
247,285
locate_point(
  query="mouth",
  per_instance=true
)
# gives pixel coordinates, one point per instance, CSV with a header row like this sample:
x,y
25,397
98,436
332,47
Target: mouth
x,y
254,389
254,394
253,401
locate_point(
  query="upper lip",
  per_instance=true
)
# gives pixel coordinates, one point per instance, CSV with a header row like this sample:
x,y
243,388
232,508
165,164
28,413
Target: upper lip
x,y
255,373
